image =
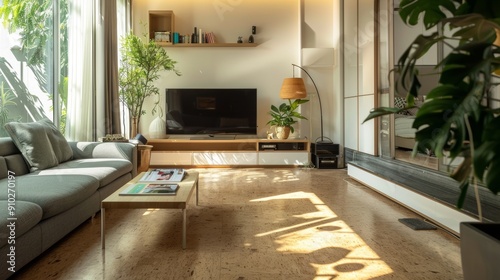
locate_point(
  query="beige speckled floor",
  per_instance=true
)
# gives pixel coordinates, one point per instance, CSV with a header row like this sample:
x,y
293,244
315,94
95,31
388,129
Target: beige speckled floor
x,y
259,224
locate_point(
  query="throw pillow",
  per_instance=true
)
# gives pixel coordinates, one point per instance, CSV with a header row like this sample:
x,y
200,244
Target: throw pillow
x,y
32,140
399,102
60,146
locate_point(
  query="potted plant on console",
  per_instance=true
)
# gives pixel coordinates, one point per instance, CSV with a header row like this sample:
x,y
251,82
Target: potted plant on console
x,y
285,116
459,117
141,63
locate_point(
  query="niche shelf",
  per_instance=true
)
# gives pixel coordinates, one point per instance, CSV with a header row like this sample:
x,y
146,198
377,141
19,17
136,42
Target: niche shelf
x,y
160,21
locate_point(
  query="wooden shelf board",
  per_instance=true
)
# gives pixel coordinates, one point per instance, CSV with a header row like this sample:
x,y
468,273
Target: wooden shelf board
x,y
209,45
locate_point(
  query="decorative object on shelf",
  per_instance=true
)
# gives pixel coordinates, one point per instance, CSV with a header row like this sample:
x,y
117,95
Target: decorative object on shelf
x,y
141,63
240,40
285,116
158,127
459,117
282,132
140,139
295,88
269,135
250,38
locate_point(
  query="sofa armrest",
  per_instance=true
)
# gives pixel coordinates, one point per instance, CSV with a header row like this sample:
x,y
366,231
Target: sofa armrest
x,y
126,151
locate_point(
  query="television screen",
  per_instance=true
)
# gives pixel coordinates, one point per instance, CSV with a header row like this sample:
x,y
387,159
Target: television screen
x,y
201,111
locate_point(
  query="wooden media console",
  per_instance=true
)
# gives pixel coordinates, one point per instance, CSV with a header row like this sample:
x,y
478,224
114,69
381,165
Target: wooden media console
x,y
234,152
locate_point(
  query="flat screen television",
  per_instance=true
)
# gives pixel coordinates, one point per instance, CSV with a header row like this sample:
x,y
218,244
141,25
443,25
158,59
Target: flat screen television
x,y
211,111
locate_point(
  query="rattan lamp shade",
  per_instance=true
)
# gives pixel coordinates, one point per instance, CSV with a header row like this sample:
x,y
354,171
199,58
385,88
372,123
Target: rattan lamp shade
x,y
293,88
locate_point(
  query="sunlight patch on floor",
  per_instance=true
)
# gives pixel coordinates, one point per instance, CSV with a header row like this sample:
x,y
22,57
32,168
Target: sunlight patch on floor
x,y
337,250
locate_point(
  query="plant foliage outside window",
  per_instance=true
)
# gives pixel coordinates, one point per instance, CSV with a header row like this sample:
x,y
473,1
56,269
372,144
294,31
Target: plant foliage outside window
x,y
32,21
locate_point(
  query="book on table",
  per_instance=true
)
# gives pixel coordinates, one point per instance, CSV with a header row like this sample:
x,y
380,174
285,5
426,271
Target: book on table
x,y
150,189
162,175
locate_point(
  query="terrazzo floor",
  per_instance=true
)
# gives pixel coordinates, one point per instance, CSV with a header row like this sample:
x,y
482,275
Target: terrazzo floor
x,y
256,223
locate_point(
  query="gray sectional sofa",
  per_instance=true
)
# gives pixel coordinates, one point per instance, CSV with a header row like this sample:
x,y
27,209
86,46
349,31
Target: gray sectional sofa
x,y
39,206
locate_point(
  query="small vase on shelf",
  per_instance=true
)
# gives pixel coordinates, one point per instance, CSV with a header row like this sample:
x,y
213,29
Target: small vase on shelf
x,y
157,128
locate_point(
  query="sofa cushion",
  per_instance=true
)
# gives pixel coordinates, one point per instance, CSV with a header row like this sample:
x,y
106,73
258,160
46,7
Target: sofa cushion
x,y
28,214
32,140
53,193
16,164
7,147
105,170
11,159
60,146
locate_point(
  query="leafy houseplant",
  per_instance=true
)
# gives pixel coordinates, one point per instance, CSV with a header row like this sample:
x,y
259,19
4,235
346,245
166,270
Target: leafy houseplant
x,y
140,67
285,116
458,118
7,98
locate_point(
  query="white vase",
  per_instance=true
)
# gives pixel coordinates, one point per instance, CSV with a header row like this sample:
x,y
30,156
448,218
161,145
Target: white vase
x,y
158,128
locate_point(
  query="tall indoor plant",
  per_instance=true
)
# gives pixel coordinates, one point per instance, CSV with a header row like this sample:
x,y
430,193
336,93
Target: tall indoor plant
x,y
284,116
141,63
458,118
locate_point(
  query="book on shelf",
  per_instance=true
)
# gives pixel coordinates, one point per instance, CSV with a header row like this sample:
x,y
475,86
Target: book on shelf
x,y
162,175
150,189
210,38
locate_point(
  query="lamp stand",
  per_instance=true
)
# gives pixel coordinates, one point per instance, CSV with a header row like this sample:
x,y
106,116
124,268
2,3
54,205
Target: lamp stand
x,y
322,139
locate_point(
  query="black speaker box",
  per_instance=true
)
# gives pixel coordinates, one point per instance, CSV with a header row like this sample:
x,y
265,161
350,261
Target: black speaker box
x,y
322,147
325,155
325,161
141,139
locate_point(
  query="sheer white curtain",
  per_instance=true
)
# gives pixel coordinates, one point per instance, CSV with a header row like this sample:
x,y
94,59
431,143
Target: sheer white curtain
x,y
80,113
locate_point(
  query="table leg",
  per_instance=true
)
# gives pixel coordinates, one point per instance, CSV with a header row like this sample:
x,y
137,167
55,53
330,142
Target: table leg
x,y
184,222
103,215
196,185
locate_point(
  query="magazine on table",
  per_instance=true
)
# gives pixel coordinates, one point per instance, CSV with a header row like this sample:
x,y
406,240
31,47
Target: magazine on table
x,y
162,175
150,189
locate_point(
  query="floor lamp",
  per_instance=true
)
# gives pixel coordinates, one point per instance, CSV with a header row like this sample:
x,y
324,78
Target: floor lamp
x,y
294,88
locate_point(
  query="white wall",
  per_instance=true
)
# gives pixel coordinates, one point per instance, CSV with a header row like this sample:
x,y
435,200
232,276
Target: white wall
x,y
262,67
283,28
318,35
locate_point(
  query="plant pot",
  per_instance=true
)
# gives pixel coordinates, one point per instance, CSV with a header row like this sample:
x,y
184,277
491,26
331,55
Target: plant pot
x,y
157,128
134,127
282,132
480,250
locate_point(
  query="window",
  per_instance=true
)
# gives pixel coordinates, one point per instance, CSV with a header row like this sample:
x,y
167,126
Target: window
x,y
44,70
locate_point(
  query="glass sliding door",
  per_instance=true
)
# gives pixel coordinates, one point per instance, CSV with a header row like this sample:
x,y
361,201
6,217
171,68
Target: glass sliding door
x,y
29,80
48,62
385,77
359,79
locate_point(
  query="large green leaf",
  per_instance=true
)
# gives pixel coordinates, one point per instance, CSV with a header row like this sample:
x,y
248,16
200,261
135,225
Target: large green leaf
x,y
487,155
406,67
473,27
441,120
433,11
382,111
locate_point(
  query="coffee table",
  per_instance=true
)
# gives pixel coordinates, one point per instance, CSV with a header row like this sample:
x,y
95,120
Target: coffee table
x,y
178,201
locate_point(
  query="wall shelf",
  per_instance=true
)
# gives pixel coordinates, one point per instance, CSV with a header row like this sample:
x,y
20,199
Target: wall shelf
x,y
164,21
209,45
